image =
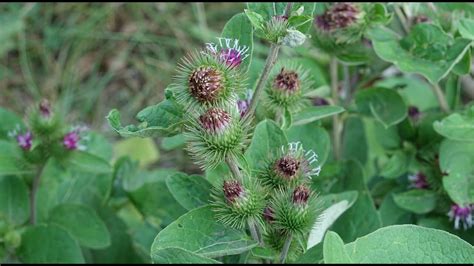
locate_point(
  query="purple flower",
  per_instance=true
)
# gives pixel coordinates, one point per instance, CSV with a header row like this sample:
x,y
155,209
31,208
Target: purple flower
x,y
418,181
243,106
339,15
462,215
231,57
71,140
228,50
25,140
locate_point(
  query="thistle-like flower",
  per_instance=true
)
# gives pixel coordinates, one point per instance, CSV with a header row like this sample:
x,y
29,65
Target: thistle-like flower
x,y
287,86
243,104
461,215
207,80
45,109
228,51
216,134
294,210
338,16
235,202
276,28
290,166
73,139
25,140
418,180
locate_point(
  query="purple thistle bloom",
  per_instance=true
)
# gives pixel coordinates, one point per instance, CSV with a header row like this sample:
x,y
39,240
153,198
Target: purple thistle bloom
x,y
461,215
71,140
243,106
25,140
231,57
418,181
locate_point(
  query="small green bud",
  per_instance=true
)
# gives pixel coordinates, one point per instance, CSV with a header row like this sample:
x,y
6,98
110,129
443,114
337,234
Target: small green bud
x,y
295,210
235,202
12,239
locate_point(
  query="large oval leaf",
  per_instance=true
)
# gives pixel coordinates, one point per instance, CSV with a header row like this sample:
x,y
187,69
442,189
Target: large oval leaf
x,y
191,191
410,244
14,200
82,223
198,231
49,244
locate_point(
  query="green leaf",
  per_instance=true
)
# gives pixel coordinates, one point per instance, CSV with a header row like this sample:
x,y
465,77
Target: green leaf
x,y
12,161
391,214
457,160
463,67
456,127
385,105
49,244
239,27
14,200
86,162
466,28
99,146
427,50
179,255
142,150
191,191
362,218
396,166
9,119
82,223
410,244
312,137
333,249
174,142
198,231
267,138
12,25
334,205
163,119
314,113
354,140
419,201
453,90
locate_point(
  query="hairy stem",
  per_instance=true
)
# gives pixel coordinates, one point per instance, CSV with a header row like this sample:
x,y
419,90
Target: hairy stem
x,y
441,98
234,168
34,189
254,231
286,247
271,59
336,123
346,84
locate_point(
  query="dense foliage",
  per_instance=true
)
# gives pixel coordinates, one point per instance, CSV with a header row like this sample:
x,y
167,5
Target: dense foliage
x,y
351,142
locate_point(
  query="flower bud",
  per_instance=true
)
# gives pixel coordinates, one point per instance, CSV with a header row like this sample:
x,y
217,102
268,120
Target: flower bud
x,y
215,120
287,81
339,15
238,201
12,239
419,180
45,108
414,112
205,83
287,167
301,195
232,190
268,214
72,139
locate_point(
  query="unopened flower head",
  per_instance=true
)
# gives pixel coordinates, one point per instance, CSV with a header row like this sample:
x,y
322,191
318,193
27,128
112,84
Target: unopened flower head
x,y
243,104
233,190
228,51
215,120
339,15
205,83
287,80
45,108
268,214
308,159
414,112
301,195
418,180
462,215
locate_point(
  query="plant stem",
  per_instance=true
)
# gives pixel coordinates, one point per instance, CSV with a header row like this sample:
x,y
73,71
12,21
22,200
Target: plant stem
x,y
335,98
286,247
346,84
402,19
254,231
288,7
34,189
441,98
234,168
271,59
